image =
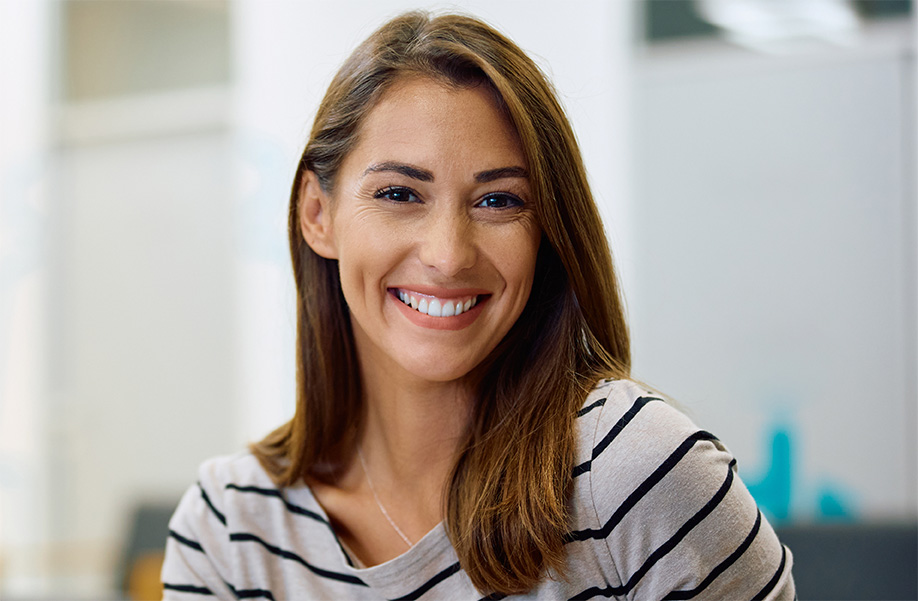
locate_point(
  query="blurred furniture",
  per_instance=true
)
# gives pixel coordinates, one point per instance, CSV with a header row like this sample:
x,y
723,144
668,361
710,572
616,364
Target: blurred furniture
x,y
857,560
142,559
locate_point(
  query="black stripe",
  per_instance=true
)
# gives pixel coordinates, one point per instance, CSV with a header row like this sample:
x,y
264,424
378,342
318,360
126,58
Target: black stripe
x,y
666,547
219,515
187,588
645,487
273,492
255,593
591,406
583,468
595,591
774,579
186,541
683,531
440,577
721,567
638,404
252,593
247,537
345,552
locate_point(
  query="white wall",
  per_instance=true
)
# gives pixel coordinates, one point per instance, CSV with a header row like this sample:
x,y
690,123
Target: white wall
x,y
24,213
911,165
140,321
775,249
117,332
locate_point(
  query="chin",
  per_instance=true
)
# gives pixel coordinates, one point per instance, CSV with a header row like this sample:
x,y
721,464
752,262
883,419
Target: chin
x,y
440,373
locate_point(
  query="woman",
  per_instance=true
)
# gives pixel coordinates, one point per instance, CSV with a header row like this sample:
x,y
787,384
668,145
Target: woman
x,y
464,424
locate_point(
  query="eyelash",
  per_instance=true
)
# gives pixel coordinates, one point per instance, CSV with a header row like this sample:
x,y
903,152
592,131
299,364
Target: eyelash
x,y
387,193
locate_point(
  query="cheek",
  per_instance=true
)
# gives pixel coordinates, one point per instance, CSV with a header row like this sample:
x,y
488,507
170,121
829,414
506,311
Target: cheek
x,y
514,254
526,267
368,249
355,259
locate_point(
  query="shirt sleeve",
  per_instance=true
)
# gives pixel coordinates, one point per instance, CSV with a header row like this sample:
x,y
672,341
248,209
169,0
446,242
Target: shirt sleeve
x,y
677,521
197,533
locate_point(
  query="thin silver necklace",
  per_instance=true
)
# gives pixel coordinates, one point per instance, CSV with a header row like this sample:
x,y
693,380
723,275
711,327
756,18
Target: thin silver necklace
x,y
379,504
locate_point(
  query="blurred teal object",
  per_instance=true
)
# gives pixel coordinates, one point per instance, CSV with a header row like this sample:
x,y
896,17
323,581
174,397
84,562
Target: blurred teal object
x,y
832,505
773,491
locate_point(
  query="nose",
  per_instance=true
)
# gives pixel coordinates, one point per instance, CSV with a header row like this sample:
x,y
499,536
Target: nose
x,y
447,243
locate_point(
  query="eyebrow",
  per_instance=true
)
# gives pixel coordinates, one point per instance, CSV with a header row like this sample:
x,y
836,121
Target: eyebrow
x,y
424,175
490,175
406,170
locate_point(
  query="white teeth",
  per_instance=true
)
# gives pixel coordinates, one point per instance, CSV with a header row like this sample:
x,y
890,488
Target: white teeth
x,y
436,307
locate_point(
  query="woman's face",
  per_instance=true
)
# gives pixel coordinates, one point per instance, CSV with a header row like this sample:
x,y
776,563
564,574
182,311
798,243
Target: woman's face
x,y
433,224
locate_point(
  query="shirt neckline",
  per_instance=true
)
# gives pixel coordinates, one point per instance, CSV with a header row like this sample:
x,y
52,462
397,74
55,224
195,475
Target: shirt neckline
x,y
432,552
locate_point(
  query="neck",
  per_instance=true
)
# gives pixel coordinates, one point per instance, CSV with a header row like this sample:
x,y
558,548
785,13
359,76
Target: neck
x,y
412,430
412,427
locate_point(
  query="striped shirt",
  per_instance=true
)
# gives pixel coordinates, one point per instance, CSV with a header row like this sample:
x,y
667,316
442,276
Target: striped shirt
x,y
658,512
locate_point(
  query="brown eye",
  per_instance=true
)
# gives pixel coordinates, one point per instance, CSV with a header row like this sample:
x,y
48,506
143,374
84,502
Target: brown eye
x,y
500,201
397,195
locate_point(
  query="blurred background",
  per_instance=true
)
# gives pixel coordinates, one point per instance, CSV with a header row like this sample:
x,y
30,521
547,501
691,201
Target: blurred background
x,y
755,162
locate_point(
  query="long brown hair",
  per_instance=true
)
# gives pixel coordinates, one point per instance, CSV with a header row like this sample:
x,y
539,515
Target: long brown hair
x,y
507,501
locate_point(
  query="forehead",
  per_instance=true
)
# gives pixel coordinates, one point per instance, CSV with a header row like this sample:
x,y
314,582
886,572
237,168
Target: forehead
x,y
422,119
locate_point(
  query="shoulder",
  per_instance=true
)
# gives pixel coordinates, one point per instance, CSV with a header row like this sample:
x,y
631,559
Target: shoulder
x,y
233,527
206,504
226,469
235,491
621,417
633,444
229,472
197,551
218,480
660,500
622,401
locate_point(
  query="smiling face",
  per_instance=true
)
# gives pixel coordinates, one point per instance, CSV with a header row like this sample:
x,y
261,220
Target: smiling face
x,y
433,226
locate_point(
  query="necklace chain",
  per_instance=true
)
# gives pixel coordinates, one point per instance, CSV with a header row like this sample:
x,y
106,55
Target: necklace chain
x,y
379,504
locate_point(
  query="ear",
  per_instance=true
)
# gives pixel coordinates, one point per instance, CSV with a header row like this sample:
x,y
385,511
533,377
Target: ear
x,y
315,217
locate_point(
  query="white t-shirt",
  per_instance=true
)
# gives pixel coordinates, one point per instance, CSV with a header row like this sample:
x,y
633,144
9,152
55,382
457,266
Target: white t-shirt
x,y
658,512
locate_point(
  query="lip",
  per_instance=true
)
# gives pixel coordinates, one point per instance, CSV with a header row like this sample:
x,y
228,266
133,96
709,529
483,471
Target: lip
x,y
455,322
441,292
